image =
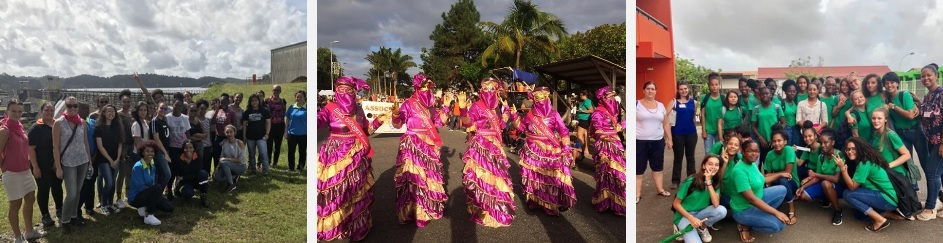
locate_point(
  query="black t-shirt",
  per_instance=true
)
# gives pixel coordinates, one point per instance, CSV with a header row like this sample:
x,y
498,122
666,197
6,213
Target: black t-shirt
x,y
41,137
190,171
194,129
162,129
255,123
111,137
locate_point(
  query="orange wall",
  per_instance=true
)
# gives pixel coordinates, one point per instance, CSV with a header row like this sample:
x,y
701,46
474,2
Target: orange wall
x,y
652,38
663,73
660,9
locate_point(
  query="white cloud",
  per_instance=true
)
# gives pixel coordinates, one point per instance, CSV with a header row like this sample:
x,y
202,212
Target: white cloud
x,y
223,38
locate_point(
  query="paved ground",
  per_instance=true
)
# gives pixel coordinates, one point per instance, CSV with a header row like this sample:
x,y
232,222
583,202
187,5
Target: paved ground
x,y
653,220
580,224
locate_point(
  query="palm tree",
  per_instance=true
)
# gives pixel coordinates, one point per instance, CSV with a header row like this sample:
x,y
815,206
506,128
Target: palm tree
x,y
525,26
394,62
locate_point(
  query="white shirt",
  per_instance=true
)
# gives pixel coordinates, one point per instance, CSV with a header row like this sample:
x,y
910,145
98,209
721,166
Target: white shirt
x,y
816,113
650,122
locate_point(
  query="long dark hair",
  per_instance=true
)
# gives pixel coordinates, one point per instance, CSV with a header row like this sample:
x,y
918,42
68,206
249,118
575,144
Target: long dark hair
x,y
786,85
864,85
140,120
699,182
865,152
678,91
115,122
727,103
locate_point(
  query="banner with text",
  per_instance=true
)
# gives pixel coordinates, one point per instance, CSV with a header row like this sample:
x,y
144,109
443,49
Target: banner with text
x,y
373,109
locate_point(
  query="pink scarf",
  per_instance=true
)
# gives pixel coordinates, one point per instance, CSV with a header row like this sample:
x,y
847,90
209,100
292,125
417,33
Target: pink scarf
x,y
13,125
74,119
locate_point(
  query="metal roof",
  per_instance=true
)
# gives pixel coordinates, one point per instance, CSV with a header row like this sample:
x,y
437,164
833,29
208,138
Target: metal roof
x,y
290,46
588,70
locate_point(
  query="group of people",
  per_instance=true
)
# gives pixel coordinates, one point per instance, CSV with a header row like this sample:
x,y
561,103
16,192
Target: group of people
x,y
141,154
820,140
345,178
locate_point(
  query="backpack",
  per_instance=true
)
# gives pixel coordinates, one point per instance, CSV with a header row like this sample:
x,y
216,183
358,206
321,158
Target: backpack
x,y
907,203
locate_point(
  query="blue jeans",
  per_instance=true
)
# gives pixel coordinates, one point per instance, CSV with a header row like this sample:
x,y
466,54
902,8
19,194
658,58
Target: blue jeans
x,y
163,169
761,221
816,191
106,184
262,148
933,169
712,214
791,187
709,142
795,136
864,200
914,139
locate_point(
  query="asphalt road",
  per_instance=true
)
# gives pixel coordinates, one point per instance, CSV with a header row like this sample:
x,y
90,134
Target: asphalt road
x,y
580,224
653,219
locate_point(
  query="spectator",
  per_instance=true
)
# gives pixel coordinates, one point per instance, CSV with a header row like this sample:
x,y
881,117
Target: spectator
x,y
276,106
297,122
256,127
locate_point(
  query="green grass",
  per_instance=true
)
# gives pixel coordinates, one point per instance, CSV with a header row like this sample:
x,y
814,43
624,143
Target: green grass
x,y
288,91
269,209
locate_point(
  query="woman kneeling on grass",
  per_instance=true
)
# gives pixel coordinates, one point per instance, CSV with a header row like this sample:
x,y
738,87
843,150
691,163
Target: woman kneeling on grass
x,y
824,177
192,176
698,199
232,157
870,190
144,193
754,207
781,168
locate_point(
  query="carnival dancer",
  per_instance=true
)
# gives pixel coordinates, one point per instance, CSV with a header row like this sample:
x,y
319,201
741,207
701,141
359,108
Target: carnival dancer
x,y
545,161
420,195
487,184
610,158
345,174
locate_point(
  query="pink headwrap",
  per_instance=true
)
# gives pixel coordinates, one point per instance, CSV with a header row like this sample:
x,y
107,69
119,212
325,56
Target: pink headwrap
x,y
346,101
609,103
425,97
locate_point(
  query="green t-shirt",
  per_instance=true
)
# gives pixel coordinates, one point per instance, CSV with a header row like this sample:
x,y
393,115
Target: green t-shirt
x,y
712,112
748,104
819,163
831,101
777,162
811,159
727,186
874,102
875,178
745,177
584,106
765,118
776,100
840,118
888,148
696,201
901,122
802,96
864,124
716,149
789,112
732,117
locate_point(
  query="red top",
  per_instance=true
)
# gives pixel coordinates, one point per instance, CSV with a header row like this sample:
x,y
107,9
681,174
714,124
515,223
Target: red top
x,y
15,153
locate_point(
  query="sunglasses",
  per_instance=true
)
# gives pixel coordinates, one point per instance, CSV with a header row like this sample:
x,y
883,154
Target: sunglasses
x,y
72,106
165,108
276,90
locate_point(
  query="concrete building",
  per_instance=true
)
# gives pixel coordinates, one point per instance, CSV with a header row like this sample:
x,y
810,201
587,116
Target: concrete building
x,y
654,49
290,62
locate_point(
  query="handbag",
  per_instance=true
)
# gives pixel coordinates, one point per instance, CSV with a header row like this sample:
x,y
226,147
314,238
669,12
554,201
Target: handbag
x,y
673,114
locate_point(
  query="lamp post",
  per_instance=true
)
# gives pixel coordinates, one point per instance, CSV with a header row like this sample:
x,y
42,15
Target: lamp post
x,y
330,47
902,60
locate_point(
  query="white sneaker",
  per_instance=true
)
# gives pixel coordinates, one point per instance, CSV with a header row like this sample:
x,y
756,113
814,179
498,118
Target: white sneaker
x,y
705,235
142,211
939,205
151,220
20,239
33,235
105,210
120,204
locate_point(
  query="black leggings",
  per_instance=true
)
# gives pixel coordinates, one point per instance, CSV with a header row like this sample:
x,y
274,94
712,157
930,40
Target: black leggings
x,y
683,148
48,182
207,158
274,142
302,142
153,199
87,195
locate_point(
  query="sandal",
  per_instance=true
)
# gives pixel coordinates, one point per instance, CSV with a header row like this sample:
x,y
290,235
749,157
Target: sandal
x,y
884,225
748,237
792,219
664,194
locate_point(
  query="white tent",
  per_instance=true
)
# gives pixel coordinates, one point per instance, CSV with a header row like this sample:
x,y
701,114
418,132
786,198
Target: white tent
x,y
326,92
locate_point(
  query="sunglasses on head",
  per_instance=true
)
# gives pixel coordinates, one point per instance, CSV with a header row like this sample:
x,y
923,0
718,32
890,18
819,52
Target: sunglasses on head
x,y
72,106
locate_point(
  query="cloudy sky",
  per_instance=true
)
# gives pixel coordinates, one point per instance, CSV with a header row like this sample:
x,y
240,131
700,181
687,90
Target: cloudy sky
x,y
743,35
362,26
223,38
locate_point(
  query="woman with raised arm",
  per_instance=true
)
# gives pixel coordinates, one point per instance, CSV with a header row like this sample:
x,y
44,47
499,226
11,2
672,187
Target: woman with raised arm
x,y
545,164
419,191
345,172
488,186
